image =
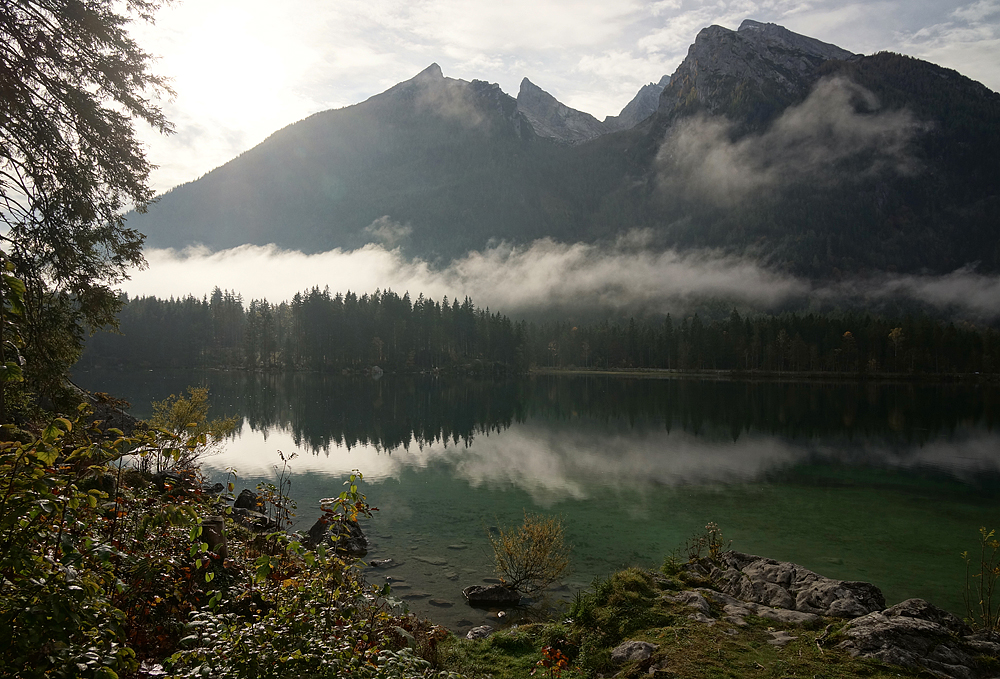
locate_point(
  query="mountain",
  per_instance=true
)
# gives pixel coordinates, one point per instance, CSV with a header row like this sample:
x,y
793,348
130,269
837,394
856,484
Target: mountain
x,y
416,164
554,120
644,104
549,118
770,66
762,143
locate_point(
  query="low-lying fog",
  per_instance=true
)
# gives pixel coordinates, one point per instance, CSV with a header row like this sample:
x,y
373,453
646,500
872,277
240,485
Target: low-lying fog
x,y
619,280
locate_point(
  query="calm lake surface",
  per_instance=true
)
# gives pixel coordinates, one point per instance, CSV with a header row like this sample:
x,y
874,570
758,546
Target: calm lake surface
x,y
886,483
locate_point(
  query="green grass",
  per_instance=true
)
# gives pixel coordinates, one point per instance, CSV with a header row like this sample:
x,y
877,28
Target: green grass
x,y
629,605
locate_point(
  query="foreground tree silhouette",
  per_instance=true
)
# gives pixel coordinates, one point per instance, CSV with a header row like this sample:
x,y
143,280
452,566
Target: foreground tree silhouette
x,y
72,84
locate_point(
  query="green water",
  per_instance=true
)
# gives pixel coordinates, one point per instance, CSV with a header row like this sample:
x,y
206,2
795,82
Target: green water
x,y
883,483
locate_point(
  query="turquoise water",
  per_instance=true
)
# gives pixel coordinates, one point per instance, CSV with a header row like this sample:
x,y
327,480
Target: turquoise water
x,y
884,483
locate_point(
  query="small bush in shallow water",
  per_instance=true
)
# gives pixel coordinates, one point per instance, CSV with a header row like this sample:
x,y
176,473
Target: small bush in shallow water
x,y
532,557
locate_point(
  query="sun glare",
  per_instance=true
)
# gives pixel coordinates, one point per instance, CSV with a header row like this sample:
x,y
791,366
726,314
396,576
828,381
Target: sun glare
x,y
231,68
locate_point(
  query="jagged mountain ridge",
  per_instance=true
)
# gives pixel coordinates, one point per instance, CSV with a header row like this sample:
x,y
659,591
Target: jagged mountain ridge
x,y
448,166
552,119
645,103
779,66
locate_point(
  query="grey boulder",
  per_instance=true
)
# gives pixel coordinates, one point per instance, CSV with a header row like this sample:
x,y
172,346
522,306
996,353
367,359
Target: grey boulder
x,y
632,651
491,594
781,584
921,636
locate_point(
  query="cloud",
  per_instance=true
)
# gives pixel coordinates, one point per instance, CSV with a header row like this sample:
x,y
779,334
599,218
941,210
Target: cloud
x,y
623,278
452,99
388,232
963,292
838,122
977,11
967,39
629,277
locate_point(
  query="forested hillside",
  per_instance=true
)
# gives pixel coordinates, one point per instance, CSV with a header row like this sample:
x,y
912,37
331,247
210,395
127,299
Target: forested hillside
x,y
317,330
320,331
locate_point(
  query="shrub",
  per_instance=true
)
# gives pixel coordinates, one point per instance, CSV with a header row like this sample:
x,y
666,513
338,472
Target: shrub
x,y
102,568
187,418
710,542
981,580
314,616
625,602
531,557
82,555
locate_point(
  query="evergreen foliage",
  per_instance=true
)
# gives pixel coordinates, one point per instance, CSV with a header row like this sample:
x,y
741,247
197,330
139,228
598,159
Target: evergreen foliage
x,y
321,331
73,82
847,344
317,330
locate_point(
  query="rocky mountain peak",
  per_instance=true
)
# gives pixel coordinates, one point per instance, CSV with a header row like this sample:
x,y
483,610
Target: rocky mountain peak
x,y
779,35
551,118
768,65
432,72
643,105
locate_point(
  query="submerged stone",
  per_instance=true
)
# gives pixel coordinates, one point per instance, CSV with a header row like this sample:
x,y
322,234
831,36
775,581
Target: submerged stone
x,y
491,594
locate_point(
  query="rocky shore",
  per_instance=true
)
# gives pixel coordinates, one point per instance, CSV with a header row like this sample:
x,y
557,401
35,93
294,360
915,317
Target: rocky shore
x,y
734,592
914,634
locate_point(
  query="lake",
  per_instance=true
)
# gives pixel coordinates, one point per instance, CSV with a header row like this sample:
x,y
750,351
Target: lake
x,y
883,482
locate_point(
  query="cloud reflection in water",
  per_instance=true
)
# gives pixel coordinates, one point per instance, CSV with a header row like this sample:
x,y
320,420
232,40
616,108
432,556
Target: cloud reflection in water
x,y
579,460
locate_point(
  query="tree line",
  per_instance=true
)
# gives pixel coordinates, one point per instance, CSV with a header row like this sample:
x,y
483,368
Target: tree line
x,y
316,330
321,331
843,343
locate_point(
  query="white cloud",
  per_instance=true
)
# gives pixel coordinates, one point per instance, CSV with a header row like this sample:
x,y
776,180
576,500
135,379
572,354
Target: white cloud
x,y
546,274
978,11
964,291
626,278
805,143
388,232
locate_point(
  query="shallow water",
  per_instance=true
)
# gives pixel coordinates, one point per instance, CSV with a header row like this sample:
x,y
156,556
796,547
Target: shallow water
x,y
884,483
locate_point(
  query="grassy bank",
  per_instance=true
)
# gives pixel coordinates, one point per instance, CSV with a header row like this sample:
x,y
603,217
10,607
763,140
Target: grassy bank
x,y
630,605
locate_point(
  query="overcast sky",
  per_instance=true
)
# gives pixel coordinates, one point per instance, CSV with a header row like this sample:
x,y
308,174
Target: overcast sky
x,y
245,68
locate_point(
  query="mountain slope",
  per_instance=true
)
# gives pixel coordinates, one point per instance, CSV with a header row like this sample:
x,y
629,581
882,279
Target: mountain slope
x,y
555,120
644,104
433,154
552,119
764,143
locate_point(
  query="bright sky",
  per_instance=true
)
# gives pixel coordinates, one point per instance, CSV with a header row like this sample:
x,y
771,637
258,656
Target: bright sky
x,y
243,69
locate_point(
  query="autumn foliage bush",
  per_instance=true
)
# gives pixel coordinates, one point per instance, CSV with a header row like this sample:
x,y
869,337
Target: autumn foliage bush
x,y
531,557
102,569
95,571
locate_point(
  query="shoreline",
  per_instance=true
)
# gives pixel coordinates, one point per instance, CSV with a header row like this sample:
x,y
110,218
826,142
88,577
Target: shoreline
x,y
769,376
